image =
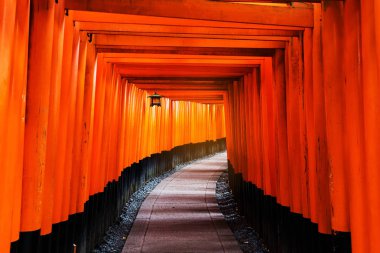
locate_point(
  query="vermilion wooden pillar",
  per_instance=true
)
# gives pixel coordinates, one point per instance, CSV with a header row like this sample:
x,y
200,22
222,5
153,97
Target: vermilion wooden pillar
x,y
37,103
109,82
258,165
322,165
242,127
354,123
53,122
87,126
76,168
281,129
124,113
98,126
70,140
267,127
249,86
310,140
293,93
335,123
14,35
370,46
65,96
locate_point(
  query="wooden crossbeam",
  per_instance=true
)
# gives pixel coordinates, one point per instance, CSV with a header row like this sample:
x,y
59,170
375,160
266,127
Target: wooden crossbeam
x,y
186,81
108,27
115,18
187,98
180,71
186,62
221,51
162,73
126,40
272,1
191,80
201,10
201,101
190,93
199,36
181,86
267,1
180,57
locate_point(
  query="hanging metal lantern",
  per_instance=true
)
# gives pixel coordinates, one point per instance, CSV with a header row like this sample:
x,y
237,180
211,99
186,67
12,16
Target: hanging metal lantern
x,y
155,100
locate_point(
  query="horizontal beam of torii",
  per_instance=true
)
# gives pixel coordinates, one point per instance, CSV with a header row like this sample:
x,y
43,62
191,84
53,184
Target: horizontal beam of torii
x,y
271,1
119,41
113,27
274,1
202,10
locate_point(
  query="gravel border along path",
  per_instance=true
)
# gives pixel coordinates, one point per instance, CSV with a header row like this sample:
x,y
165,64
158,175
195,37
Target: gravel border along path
x,y
249,240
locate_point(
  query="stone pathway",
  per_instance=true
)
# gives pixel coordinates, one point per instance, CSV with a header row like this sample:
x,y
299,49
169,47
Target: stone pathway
x,y
181,214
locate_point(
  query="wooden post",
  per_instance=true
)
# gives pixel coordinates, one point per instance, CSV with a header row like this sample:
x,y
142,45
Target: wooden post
x,y
37,104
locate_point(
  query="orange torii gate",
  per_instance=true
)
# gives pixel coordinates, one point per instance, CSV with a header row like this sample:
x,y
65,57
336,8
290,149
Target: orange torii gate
x,y
293,88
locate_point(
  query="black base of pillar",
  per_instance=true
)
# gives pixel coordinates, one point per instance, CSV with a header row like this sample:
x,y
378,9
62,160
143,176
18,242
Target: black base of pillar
x,y
87,229
281,230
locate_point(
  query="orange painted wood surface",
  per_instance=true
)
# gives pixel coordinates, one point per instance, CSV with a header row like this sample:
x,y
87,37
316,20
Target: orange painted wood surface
x,y
370,52
325,119
14,35
37,104
297,100
84,123
199,9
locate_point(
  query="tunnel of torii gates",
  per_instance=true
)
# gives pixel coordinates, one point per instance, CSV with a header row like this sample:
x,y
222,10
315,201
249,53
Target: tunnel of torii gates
x,y
289,89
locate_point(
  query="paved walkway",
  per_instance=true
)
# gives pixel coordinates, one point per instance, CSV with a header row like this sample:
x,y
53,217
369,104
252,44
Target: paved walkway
x,y
181,214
